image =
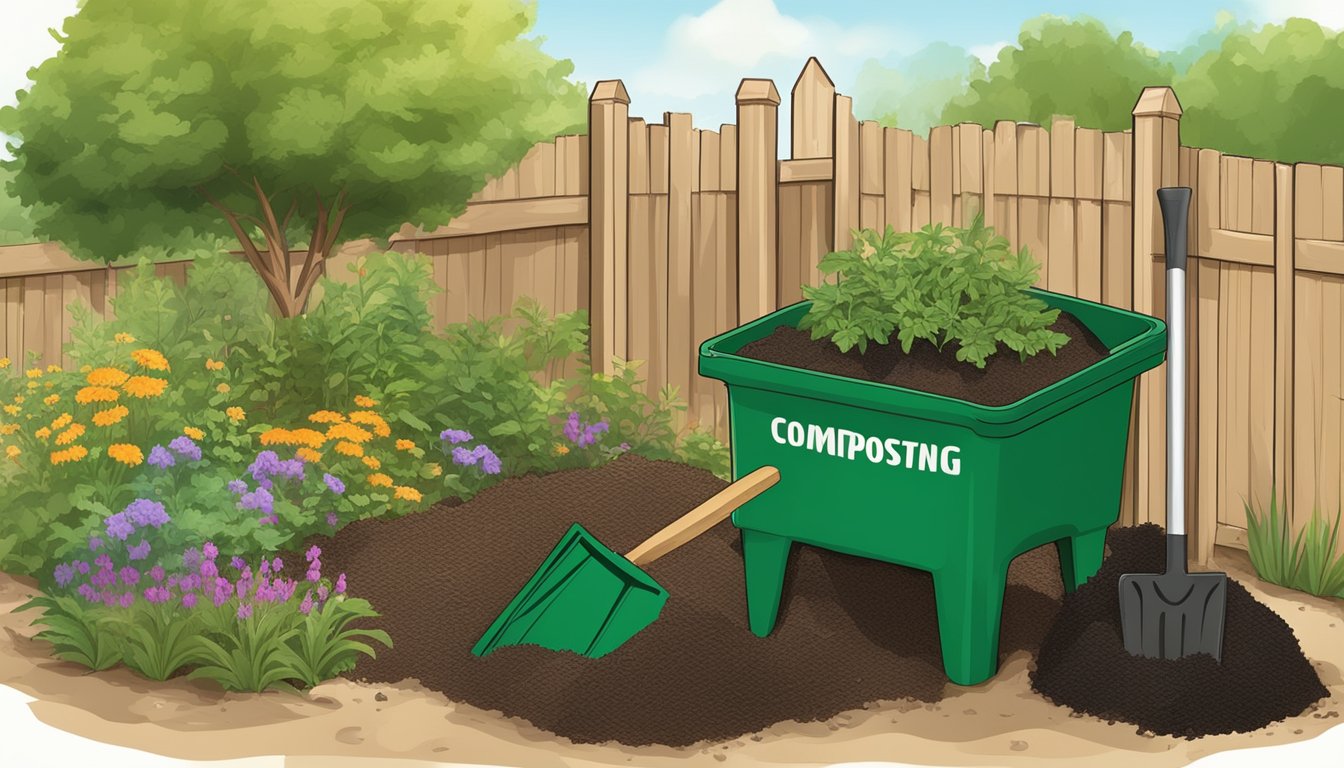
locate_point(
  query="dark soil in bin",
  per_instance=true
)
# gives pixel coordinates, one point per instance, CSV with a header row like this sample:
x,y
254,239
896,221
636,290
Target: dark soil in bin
x,y
1005,378
1263,676
851,631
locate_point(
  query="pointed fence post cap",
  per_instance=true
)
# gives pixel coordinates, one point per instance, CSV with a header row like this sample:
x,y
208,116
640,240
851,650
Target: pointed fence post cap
x,y
757,91
610,91
814,75
1157,100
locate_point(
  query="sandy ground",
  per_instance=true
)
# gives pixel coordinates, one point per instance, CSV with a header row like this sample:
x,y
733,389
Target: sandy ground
x,y
342,723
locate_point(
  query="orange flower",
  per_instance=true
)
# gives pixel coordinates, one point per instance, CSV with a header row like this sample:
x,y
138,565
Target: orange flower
x,y
235,413
372,463
435,470
193,433
405,445
51,399
43,433
33,373
276,436
13,451
308,455
70,435
223,388
96,395
365,402
348,431
349,449
9,429
406,493
110,416
126,453
372,419
73,453
12,410
107,377
124,338
61,421
309,437
561,449
326,417
151,359
145,386
213,365
378,478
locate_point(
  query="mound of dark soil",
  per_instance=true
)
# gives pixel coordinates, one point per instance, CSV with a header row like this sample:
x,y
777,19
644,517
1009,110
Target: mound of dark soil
x,y
851,630
1004,379
1263,676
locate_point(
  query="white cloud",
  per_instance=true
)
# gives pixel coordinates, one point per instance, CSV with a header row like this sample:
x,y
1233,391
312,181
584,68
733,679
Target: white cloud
x,y
989,52
25,43
1327,13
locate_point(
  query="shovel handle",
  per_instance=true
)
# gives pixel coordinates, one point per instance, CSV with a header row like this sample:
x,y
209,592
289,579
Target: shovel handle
x,y
702,518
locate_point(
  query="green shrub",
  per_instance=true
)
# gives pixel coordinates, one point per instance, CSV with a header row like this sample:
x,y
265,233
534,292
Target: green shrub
x,y
940,285
1309,561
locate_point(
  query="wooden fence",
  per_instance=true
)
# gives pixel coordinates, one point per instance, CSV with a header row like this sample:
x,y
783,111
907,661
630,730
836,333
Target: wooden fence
x,y
668,234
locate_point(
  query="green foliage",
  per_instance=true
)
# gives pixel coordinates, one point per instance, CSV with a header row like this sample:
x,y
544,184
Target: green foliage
x,y
1276,92
1309,561
1063,66
324,646
16,225
913,90
161,640
248,654
941,284
79,633
199,114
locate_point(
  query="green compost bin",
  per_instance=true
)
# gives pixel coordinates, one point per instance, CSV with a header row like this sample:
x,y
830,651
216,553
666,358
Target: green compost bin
x,y
951,487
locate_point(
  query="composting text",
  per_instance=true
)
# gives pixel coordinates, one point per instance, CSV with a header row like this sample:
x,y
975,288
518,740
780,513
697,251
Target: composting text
x,y
852,445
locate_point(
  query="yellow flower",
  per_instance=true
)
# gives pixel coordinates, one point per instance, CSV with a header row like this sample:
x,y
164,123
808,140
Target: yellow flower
x,y
53,368
275,436
32,385
365,402
50,384
349,449
145,386
406,493
378,478
73,453
97,394
110,416
151,359
43,433
33,373
19,399
348,431
51,399
223,388
12,410
4,362
309,437
235,413
213,365
561,449
61,421
326,417
107,377
13,451
372,463
435,470
70,435
126,453
308,455
193,433
124,338
405,445
9,429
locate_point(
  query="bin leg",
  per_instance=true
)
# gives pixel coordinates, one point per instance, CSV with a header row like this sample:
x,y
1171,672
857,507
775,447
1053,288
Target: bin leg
x,y
1080,557
766,556
970,604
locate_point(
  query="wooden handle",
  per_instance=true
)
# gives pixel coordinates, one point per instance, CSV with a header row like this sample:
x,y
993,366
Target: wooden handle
x,y
703,517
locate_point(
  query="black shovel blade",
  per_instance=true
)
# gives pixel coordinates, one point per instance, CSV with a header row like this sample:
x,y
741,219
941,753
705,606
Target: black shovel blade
x,y
1175,614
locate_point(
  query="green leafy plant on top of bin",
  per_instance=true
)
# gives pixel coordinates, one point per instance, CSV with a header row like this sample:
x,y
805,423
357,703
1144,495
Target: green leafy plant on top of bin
x,y
942,285
1308,561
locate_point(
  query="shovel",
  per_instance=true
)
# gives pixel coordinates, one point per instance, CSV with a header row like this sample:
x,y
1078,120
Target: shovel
x,y
1177,613
587,599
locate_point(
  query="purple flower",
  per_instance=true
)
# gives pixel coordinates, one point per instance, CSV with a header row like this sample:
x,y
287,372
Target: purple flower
x,y
145,512
625,446
244,611
314,571
95,543
306,607
191,581
340,584
237,487
292,469
334,484
265,568
156,573
332,519
463,457
572,428
87,592
266,464
210,551
103,561
490,463
260,499
157,595
455,436
208,570
237,563
277,564
189,600
191,558
118,526
129,576
183,446
127,599
65,573
591,432
139,551
160,457
109,599
321,591
270,519
105,577
82,567
313,553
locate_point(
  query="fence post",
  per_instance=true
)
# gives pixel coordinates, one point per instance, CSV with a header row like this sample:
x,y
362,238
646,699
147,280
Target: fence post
x,y
608,207
757,197
1285,271
1157,121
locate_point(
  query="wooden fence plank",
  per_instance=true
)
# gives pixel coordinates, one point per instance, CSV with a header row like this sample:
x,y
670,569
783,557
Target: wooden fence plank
x,y
1113,167
1332,202
988,163
638,144
728,157
846,173
1284,328
1062,167
709,161
813,98
1309,204
683,164
1005,157
1088,171
792,220
1062,263
896,163
438,259
971,159
940,174
1088,249
1246,201
871,165
1262,193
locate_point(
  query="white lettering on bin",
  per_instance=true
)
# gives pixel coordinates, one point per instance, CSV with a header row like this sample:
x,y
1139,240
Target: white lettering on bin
x,y
847,444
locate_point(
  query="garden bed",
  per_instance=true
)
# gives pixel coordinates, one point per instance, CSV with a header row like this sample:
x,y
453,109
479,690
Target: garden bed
x,y
852,673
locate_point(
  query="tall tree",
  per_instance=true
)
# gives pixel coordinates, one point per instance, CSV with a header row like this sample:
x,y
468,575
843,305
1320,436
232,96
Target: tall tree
x,y
278,123
913,90
1063,66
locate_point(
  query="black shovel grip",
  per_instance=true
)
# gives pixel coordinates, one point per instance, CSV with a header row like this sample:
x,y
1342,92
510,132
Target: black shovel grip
x,y
1175,203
